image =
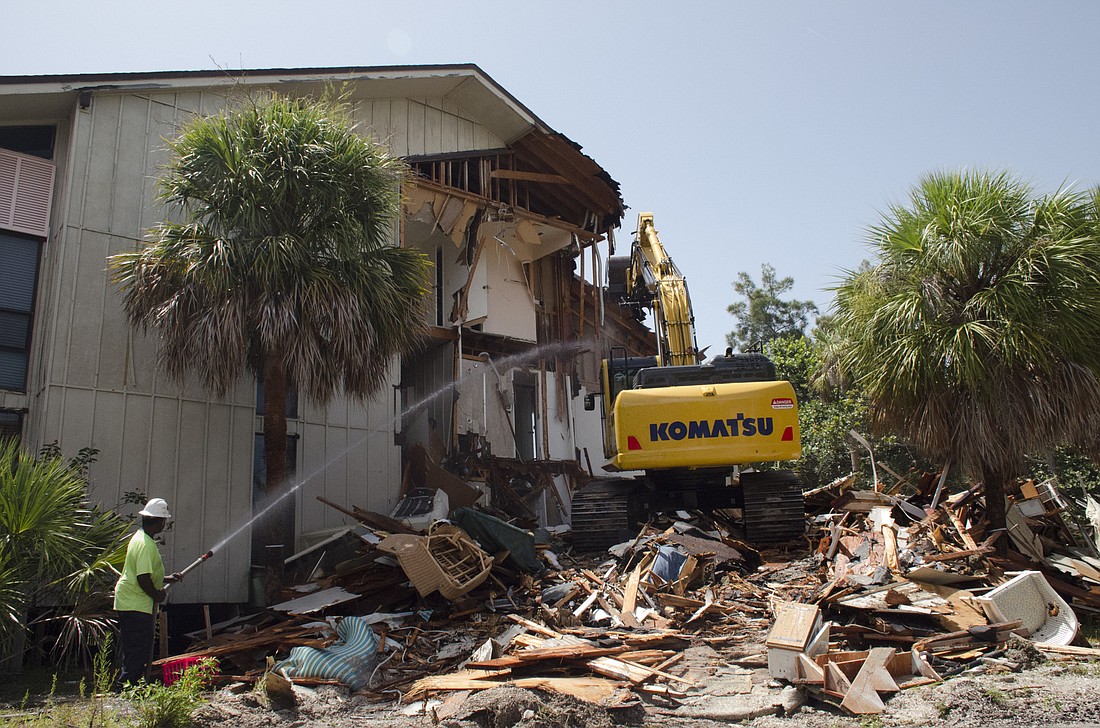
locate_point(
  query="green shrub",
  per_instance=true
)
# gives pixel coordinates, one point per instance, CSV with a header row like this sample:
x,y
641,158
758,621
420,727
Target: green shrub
x,y
170,706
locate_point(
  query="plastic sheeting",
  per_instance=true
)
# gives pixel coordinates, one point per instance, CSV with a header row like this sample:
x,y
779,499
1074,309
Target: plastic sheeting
x,y
495,535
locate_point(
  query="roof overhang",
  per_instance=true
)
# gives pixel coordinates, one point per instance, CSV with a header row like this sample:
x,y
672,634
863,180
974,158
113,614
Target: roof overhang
x,y
465,84
45,99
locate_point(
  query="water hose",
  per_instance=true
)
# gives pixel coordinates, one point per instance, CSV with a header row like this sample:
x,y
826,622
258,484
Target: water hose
x,y
193,564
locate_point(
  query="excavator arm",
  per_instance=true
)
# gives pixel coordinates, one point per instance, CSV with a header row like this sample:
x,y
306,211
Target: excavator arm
x,y
653,281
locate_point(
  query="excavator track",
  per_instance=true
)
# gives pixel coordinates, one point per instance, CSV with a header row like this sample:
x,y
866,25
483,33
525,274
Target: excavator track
x,y
774,510
602,515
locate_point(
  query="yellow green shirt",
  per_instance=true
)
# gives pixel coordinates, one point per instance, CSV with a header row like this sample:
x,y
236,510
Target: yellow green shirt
x,y
142,557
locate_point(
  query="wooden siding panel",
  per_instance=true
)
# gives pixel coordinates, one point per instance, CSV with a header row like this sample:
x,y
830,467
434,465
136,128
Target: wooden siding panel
x,y
311,471
219,450
416,126
451,123
128,188
161,478
381,125
109,430
75,428
89,289
398,128
433,127
100,172
133,458
187,503
237,553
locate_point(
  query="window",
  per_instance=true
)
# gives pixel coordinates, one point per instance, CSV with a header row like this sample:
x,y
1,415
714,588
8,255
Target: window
x,y
11,425
36,141
18,277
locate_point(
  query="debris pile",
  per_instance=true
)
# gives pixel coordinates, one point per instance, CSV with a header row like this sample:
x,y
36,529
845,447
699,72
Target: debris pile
x,y
892,592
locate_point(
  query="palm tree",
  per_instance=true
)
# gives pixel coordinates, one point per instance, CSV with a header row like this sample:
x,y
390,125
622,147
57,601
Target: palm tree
x,y
976,335
277,261
58,555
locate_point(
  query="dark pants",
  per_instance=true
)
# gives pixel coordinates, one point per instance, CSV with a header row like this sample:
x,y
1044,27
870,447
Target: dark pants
x,y
136,640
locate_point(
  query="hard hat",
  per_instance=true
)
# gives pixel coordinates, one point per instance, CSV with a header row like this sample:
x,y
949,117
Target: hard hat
x,y
155,508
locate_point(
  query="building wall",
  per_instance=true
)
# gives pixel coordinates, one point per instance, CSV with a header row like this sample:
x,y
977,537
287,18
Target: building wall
x,y
94,381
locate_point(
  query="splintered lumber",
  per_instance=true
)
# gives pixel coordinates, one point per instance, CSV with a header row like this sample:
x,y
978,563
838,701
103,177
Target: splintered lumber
x,y
277,636
534,626
630,597
998,632
631,671
891,539
981,550
620,670
571,653
862,697
1068,650
708,602
590,689
461,680
967,539
836,682
810,671
673,600
371,519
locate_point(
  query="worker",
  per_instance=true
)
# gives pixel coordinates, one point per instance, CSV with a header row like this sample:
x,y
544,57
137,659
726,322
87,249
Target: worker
x,y
139,590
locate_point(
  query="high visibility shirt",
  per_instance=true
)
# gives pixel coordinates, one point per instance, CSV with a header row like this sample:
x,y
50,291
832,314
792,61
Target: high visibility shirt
x,y
142,557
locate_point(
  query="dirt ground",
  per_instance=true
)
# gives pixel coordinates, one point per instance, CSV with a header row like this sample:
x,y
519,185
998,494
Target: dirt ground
x,y
1049,694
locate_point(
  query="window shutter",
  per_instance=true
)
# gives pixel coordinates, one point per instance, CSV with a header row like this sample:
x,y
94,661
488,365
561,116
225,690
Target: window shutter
x,y
26,189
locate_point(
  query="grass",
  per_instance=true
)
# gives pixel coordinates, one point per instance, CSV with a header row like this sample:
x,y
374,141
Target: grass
x,y
1085,669
91,704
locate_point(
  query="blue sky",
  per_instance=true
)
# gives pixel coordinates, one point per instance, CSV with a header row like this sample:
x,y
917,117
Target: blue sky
x,y
756,132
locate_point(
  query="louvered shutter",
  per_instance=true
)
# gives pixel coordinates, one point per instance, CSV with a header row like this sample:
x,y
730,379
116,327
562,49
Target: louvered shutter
x,y
26,189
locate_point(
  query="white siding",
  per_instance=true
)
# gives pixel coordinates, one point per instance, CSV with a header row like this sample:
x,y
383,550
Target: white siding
x,y
98,383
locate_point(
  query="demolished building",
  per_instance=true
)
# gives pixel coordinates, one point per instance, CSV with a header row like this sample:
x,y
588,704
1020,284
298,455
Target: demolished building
x,y
517,220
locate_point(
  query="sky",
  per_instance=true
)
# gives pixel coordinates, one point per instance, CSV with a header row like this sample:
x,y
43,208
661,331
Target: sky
x,y
770,132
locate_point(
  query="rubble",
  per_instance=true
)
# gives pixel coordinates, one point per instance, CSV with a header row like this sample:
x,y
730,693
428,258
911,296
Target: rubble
x,y
893,593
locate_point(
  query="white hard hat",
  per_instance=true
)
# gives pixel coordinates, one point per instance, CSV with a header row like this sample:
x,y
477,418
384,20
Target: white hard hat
x,y
155,508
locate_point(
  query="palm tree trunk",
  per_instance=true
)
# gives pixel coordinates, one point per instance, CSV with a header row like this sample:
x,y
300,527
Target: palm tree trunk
x,y
274,526
994,483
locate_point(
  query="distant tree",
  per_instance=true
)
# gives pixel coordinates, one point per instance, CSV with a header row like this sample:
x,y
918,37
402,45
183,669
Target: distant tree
x,y
826,413
764,315
976,335
278,260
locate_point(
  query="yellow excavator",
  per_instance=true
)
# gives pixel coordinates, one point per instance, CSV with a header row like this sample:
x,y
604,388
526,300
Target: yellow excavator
x,y
690,426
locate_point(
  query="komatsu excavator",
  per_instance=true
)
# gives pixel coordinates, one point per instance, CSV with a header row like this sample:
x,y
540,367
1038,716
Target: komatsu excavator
x,y
691,427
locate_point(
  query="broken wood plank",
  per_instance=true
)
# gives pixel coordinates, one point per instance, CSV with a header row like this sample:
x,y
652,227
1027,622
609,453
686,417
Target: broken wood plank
x,y
835,680
563,652
534,626
862,697
810,671
967,539
630,597
959,554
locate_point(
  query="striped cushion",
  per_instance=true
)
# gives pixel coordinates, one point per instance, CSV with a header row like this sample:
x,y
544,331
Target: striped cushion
x,y
350,662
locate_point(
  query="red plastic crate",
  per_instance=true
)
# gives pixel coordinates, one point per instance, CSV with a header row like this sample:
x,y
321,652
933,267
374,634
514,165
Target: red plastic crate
x,y
171,671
